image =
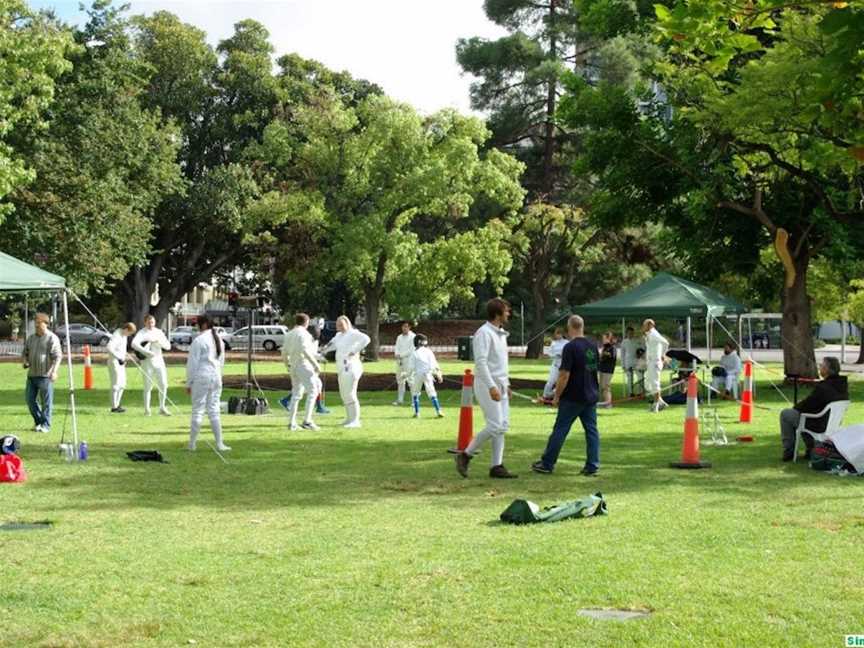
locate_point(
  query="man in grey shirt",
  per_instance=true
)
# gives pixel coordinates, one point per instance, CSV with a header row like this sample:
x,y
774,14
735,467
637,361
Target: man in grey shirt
x,y
42,357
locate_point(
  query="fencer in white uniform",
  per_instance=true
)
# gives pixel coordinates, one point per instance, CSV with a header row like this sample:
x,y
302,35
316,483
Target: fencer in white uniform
x,y
554,351
117,364
348,343
656,347
492,389
424,370
204,382
403,352
299,351
150,342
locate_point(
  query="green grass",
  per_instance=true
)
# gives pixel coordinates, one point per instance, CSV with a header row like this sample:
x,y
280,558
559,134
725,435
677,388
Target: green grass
x,y
369,538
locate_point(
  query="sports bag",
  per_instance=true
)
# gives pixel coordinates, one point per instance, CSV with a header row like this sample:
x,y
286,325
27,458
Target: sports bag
x,y
11,468
524,512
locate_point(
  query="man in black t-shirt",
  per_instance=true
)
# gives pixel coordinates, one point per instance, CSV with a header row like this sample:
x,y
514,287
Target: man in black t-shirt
x,y
576,397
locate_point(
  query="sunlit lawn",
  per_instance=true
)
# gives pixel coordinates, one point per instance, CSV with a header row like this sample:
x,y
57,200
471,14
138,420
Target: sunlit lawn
x,y
370,538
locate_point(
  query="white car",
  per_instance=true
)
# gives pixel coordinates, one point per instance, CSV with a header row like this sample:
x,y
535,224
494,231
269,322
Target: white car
x,y
268,337
183,335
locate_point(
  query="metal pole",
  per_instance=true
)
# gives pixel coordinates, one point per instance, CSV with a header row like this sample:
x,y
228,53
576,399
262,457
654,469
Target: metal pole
x,y
843,342
249,359
71,378
522,318
689,333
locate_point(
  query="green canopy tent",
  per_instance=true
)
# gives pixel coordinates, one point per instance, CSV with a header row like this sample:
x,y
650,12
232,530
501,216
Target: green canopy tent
x,y
666,295
20,277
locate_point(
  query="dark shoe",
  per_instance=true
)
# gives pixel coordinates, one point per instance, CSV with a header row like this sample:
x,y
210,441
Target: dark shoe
x,y
788,456
588,472
500,472
462,461
539,467
118,410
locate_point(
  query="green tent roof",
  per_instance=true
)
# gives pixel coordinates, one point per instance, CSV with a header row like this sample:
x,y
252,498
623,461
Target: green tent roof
x,y
15,275
664,295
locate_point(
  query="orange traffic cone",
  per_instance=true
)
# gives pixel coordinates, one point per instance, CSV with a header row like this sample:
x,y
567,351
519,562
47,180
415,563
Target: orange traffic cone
x,y
466,414
88,368
747,397
690,449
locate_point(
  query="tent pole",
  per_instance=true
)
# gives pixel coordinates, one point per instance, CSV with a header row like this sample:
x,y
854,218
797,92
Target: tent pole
x,y
26,316
689,333
708,335
71,378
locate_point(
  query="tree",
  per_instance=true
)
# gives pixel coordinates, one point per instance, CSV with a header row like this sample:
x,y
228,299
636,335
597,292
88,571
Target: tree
x,y
32,55
746,140
221,102
369,174
102,164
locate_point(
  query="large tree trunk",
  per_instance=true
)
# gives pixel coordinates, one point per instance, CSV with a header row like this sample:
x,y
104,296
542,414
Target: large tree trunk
x,y
138,288
799,356
534,349
860,359
373,310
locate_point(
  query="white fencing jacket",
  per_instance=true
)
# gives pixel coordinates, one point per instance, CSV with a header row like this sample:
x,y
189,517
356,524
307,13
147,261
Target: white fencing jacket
x,y
556,350
423,361
405,345
656,346
203,363
491,364
158,344
299,350
117,346
628,352
348,346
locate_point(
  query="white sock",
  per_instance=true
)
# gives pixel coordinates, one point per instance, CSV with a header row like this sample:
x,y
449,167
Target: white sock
x,y
497,449
478,441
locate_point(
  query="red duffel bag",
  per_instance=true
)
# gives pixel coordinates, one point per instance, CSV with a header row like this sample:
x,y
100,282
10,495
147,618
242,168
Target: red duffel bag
x,y
11,468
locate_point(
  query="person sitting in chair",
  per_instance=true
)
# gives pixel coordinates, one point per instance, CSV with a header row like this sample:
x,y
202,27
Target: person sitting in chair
x,y
725,376
833,387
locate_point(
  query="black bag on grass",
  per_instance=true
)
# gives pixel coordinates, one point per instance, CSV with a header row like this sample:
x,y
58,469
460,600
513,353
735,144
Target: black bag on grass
x,y
146,455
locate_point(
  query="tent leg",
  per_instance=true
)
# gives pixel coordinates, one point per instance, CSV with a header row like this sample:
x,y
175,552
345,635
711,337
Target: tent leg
x,y
689,333
71,378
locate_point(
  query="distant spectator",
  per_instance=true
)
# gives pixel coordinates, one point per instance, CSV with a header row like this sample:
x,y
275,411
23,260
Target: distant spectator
x,y
608,359
628,359
725,376
833,387
42,356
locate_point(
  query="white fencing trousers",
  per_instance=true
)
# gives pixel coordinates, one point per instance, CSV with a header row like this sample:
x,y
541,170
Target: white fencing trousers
x,y
497,417
549,388
349,380
652,377
158,372
206,394
420,381
117,376
304,383
402,379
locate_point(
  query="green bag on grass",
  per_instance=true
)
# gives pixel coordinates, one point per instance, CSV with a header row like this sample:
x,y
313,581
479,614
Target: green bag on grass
x,y
524,512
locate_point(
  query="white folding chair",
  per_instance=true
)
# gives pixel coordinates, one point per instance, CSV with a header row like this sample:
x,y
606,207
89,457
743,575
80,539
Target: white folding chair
x,y
835,412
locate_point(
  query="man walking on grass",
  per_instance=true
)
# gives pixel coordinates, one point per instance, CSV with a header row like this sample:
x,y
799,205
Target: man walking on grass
x,y
42,356
576,395
656,347
492,389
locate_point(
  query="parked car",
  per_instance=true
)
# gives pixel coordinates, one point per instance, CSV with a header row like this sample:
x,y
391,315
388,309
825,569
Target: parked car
x,y
183,335
83,334
268,337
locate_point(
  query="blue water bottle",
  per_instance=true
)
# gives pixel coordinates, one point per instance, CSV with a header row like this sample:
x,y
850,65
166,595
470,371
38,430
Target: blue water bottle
x,y
82,451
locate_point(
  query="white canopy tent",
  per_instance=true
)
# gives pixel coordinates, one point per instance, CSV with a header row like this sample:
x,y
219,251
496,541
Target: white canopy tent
x,y
16,276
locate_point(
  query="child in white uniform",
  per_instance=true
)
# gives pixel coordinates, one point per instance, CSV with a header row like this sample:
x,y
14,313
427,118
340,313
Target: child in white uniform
x,y
424,373
556,348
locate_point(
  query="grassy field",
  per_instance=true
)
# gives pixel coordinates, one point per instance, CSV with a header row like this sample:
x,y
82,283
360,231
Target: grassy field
x,y
369,537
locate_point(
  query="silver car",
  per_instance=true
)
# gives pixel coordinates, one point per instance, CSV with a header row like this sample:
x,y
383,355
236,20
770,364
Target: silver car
x,y
83,334
268,337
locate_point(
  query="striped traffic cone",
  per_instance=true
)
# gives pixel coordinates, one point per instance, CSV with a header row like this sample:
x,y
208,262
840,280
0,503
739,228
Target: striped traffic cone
x,y
747,397
88,368
690,449
466,414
